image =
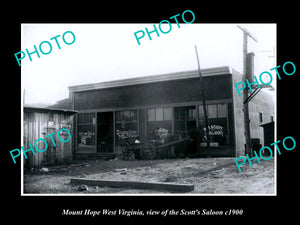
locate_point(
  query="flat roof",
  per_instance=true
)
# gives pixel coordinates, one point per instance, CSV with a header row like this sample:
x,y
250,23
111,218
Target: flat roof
x,y
151,79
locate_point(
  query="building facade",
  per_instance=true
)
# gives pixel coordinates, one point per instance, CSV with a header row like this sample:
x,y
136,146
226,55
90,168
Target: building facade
x,y
170,103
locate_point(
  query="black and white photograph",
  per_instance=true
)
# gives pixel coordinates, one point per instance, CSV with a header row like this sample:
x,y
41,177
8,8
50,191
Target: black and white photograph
x,y
146,112
173,108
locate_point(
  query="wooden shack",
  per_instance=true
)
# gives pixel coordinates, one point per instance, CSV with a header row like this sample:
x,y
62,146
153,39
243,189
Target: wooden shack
x,y
40,122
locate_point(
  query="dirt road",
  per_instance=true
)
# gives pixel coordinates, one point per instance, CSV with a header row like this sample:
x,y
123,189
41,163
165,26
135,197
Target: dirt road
x,y
209,176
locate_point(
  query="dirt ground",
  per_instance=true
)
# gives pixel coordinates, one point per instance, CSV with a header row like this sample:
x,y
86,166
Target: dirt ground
x,y
209,176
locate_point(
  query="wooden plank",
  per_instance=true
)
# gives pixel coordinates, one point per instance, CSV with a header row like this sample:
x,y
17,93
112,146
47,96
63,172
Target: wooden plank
x,y
39,143
171,187
33,138
59,144
29,138
37,156
60,149
25,137
44,118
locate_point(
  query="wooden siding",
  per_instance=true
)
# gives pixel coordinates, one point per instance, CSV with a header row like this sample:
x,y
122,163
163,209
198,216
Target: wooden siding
x,y
36,125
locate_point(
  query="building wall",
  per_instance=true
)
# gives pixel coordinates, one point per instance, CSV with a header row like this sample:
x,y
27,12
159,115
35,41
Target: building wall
x,y
175,91
219,88
238,116
262,102
37,124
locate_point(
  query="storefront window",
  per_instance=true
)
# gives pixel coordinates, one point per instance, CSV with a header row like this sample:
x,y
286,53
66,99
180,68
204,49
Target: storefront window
x,y
222,110
201,112
217,125
126,125
167,113
159,114
86,131
126,116
159,122
151,114
212,111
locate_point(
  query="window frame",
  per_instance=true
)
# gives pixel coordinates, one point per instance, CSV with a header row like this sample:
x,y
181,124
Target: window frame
x,y
219,116
134,121
123,118
163,114
208,112
85,123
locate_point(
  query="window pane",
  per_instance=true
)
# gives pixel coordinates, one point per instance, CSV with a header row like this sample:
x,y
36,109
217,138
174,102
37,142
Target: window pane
x,y
177,114
191,114
150,114
218,134
159,114
222,109
159,129
88,117
118,116
182,114
80,118
128,130
194,112
212,111
167,113
201,112
86,135
126,115
86,128
133,115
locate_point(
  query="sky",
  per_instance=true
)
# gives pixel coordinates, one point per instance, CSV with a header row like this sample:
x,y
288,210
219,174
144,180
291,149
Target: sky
x,y
105,52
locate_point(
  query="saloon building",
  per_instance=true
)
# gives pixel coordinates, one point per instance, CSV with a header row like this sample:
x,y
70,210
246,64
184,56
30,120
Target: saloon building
x,y
137,107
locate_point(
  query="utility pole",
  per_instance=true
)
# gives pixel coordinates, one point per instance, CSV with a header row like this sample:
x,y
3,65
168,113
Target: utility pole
x,y
203,100
246,34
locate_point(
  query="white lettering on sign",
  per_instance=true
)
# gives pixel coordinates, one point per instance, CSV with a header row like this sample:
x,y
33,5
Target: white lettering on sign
x,y
122,134
215,130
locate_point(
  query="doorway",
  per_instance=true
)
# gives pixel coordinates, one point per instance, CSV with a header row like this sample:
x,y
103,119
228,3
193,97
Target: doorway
x,y
185,125
184,119
105,137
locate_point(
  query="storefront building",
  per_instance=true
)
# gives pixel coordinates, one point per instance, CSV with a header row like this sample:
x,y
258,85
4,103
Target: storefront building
x,y
169,103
